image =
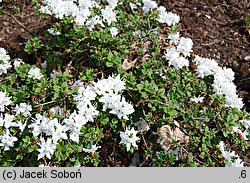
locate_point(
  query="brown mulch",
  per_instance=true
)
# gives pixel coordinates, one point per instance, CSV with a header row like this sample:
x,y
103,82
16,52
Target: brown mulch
x,y
12,35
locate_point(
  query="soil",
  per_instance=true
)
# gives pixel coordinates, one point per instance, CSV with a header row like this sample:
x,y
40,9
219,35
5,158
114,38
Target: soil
x,y
206,22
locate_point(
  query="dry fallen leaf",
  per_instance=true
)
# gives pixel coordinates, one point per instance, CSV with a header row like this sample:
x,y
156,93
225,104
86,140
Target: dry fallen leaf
x,y
170,135
126,65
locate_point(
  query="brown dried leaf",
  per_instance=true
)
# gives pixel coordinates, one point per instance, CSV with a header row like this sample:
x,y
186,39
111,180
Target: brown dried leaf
x,y
170,135
127,64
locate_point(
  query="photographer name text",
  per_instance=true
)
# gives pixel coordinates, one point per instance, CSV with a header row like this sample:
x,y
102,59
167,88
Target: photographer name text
x,y
42,174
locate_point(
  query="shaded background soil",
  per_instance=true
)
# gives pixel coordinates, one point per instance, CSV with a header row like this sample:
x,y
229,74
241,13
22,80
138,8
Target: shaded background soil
x,y
206,22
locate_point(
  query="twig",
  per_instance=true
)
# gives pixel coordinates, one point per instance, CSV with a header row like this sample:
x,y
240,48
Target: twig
x,y
50,102
150,100
191,155
72,146
18,22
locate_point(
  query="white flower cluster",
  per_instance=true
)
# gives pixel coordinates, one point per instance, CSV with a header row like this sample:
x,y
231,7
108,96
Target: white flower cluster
x,y
35,73
4,101
7,140
167,17
129,138
178,52
24,109
114,31
223,80
232,160
246,123
109,90
81,11
148,5
42,125
244,134
8,120
4,61
164,17
17,63
51,129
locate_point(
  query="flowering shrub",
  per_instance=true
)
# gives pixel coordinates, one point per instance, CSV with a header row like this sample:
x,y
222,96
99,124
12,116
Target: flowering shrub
x,y
117,70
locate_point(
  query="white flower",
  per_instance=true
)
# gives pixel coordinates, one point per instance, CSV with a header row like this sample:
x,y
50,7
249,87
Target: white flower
x,y
94,21
75,122
161,9
24,109
205,66
7,140
112,3
246,123
174,38
35,73
46,148
175,59
148,5
4,101
40,124
21,125
18,62
237,130
59,133
168,17
223,80
53,32
139,33
108,99
74,136
85,94
54,74
132,6
110,85
113,31
129,138
185,46
57,110
197,99
92,149
4,61
232,160
108,15
1,120
8,121
122,109
87,110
